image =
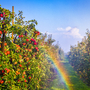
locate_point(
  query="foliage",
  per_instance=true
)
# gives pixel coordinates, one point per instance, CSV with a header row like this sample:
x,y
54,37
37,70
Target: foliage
x,y
22,62
61,54
79,58
76,83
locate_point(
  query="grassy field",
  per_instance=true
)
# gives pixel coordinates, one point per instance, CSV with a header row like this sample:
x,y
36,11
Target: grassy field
x,y
77,83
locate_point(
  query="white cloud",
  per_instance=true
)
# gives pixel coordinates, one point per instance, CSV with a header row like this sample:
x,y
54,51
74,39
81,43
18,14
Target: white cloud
x,y
60,29
74,32
46,33
69,31
68,28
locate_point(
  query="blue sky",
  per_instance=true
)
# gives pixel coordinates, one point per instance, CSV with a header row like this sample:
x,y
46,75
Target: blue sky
x,y
66,20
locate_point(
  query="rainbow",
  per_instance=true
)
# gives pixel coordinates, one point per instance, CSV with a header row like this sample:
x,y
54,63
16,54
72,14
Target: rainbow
x,y
62,73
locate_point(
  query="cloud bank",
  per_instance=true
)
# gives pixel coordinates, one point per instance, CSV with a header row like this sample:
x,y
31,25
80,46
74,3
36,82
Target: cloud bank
x,y
69,31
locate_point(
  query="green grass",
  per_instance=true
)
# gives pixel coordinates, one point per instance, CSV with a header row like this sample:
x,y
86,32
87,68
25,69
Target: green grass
x,y
75,80
56,85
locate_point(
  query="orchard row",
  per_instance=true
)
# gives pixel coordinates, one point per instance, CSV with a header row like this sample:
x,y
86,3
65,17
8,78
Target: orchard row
x,y
23,65
79,58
